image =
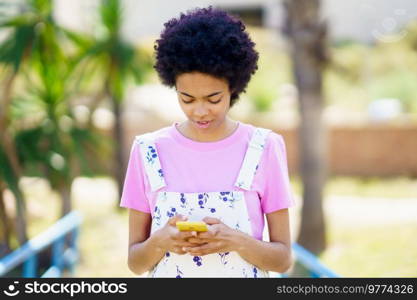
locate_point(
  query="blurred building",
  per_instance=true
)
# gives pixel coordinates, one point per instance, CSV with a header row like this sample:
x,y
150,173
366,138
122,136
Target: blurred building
x,y
361,20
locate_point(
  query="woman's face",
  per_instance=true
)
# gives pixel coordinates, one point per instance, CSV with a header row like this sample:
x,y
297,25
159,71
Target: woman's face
x,y
204,99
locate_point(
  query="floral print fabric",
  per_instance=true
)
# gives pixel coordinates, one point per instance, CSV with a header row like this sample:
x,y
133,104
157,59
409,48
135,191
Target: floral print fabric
x,y
151,161
252,158
228,206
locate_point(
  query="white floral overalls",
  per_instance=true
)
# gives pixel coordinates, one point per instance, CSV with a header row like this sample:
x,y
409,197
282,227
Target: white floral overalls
x,y
228,206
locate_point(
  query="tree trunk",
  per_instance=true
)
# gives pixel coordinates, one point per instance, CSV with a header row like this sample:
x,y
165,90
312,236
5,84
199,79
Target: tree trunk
x,y
21,224
119,153
6,139
65,191
307,35
10,151
6,228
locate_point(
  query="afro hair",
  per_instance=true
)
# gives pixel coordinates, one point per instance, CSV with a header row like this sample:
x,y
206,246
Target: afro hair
x,y
210,41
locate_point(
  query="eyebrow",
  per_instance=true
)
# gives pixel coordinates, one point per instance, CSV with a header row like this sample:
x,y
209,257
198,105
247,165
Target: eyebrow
x,y
213,94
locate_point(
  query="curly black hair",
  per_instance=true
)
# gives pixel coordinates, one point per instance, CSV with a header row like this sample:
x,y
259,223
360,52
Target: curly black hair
x,y
210,41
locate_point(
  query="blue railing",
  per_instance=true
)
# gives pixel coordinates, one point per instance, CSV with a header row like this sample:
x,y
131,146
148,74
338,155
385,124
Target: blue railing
x,y
67,258
63,257
309,261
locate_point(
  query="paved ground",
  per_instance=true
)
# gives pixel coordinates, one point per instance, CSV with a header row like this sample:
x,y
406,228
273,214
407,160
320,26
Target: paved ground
x,y
355,211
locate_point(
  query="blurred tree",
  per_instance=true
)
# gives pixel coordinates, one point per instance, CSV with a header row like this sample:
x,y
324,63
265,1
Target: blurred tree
x,y
5,233
14,50
114,62
40,136
307,35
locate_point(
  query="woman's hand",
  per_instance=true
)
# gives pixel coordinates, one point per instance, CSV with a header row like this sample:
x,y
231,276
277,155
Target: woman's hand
x,y
219,238
170,239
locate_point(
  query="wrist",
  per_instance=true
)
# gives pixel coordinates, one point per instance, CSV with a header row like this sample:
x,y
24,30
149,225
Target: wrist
x,y
239,241
155,241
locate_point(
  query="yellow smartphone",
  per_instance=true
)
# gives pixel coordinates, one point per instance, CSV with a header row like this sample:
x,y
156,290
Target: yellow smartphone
x,y
192,226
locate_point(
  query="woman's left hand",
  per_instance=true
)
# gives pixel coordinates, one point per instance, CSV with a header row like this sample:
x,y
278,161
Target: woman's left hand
x,y
219,238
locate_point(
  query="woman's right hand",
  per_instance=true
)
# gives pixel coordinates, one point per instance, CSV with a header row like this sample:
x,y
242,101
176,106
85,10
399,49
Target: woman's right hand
x,y
170,239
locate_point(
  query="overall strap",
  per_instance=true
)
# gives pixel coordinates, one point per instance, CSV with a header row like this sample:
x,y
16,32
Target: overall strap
x,y
252,158
150,159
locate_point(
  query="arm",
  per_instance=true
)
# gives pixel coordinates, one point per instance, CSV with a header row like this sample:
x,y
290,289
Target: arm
x,y
143,254
146,250
272,256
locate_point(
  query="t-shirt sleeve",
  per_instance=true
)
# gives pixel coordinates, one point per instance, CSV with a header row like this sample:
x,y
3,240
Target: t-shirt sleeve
x,y
275,192
133,194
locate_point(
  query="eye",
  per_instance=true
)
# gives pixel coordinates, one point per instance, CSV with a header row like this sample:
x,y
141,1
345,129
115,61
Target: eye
x,y
215,102
187,102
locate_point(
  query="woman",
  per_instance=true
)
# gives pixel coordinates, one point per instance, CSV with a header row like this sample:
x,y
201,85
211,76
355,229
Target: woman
x,y
209,168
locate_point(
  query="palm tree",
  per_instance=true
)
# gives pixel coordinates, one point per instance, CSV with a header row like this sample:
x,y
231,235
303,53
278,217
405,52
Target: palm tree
x,y
307,36
48,148
114,62
15,50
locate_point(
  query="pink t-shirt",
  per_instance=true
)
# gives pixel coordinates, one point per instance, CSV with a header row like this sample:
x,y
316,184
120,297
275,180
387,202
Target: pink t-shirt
x,y
192,167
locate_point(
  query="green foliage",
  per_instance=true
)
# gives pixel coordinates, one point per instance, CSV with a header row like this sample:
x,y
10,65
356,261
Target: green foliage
x,y
411,37
361,73
399,84
6,172
49,142
273,70
373,187
372,251
347,61
12,49
263,91
108,56
357,74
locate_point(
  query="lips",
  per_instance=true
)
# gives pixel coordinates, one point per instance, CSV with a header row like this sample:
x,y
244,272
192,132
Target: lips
x,y
203,124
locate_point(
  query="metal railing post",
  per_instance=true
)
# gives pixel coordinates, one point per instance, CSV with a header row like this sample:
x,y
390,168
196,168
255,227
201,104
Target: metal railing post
x,y
55,235
30,266
311,262
74,249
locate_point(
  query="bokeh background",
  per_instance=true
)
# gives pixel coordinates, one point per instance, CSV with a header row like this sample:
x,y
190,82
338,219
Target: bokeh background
x,y
338,79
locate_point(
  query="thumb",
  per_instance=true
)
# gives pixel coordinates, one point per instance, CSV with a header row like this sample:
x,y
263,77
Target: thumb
x,y
172,221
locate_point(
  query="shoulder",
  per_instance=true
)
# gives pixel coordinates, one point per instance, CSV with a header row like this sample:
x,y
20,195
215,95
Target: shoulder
x,y
153,136
274,143
272,138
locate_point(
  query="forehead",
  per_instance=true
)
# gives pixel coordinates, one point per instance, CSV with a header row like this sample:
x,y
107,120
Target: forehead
x,y
199,82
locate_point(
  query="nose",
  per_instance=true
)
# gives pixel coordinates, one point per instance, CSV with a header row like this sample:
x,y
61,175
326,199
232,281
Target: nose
x,y
200,110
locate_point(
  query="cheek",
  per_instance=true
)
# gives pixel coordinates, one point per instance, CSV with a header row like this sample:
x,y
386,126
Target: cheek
x,y
222,110
186,109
